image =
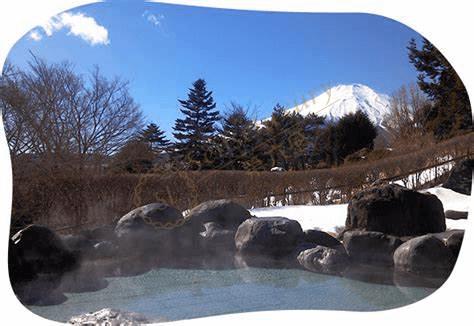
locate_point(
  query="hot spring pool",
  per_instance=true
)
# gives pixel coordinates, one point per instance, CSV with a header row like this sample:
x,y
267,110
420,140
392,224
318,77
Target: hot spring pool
x,y
174,294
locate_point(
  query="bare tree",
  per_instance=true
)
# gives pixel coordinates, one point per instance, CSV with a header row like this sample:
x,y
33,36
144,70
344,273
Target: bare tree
x,y
405,118
50,111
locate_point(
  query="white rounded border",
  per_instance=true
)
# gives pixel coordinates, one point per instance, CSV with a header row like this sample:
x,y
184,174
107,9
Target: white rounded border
x,y
446,24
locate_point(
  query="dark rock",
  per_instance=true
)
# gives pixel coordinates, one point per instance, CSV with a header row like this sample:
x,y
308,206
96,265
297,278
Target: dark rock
x,y
426,254
454,243
268,236
225,216
92,244
102,233
371,247
455,215
224,212
460,177
217,240
452,239
320,238
149,230
149,217
79,244
104,249
300,247
37,260
395,210
324,260
37,250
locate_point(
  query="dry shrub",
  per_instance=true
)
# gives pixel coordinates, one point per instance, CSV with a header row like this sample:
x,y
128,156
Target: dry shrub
x,y
85,199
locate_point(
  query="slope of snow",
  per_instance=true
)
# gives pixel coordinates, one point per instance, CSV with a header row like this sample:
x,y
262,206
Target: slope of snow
x,y
451,200
331,218
344,99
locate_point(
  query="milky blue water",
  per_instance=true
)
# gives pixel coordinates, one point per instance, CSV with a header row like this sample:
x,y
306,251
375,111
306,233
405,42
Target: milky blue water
x,y
175,294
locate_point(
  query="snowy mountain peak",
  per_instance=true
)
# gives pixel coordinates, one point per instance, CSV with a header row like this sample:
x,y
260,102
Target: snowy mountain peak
x,y
344,99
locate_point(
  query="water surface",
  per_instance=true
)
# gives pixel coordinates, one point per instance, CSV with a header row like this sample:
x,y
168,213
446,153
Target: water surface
x,y
174,294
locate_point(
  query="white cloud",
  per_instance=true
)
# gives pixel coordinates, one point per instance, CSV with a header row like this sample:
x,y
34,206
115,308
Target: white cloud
x,y
77,24
156,20
35,36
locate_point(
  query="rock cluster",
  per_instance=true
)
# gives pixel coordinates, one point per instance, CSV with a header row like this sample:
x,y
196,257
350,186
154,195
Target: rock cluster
x,y
387,227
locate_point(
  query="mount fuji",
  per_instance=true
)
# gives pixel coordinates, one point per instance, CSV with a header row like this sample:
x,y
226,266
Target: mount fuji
x,y
344,99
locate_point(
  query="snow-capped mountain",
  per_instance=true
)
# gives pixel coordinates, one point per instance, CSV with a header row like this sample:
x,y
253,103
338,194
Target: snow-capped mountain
x,y
343,99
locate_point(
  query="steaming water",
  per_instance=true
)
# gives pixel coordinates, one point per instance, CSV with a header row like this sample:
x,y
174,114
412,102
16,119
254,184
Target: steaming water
x,y
175,294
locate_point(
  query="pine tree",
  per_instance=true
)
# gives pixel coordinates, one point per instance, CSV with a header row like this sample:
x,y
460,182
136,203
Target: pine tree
x,y
238,140
196,131
313,129
155,138
351,133
451,111
284,135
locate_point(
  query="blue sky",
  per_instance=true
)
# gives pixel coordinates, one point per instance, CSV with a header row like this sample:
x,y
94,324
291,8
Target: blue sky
x,y
253,58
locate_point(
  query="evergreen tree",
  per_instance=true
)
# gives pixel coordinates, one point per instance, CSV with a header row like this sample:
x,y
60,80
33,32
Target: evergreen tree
x,y
351,133
155,138
325,148
451,111
195,132
313,129
284,135
239,139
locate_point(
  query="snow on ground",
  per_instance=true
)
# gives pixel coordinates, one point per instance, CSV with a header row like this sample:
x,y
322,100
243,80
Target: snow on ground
x,y
451,200
330,218
324,217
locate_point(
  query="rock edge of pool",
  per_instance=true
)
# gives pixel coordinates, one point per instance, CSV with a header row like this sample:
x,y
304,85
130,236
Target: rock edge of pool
x,y
395,239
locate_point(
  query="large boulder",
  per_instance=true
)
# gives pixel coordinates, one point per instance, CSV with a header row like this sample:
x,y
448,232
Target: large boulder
x,y
37,260
393,209
460,177
38,250
211,226
228,214
149,217
320,238
425,254
217,240
324,260
96,243
452,239
371,247
268,236
149,230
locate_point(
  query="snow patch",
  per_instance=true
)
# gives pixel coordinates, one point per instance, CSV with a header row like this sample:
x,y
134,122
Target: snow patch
x,y
451,200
